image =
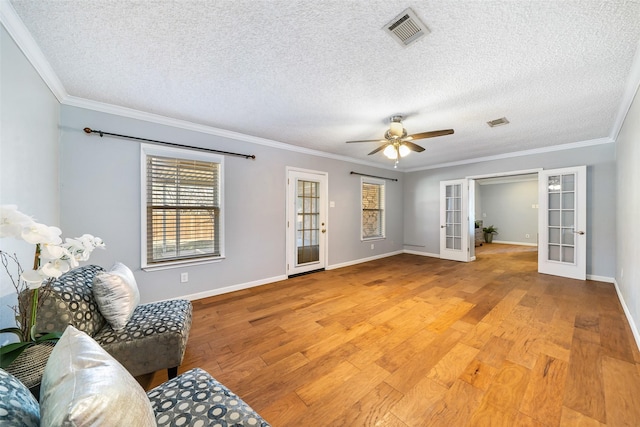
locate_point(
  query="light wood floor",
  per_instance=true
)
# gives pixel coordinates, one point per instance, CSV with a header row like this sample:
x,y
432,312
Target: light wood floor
x,y
418,341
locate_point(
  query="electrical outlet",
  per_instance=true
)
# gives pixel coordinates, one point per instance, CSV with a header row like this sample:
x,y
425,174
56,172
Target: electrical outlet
x,y
373,246
527,235
184,277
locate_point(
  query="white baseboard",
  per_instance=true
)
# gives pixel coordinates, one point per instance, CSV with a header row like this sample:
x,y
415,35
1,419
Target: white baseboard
x,y
601,278
361,260
409,251
627,313
504,242
233,288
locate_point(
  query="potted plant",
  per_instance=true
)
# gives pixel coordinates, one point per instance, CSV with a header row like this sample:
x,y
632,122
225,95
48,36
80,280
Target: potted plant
x,y
52,258
489,232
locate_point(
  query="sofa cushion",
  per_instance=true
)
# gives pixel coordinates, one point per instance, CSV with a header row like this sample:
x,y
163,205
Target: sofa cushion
x,y
83,385
195,398
117,295
71,302
18,407
155,337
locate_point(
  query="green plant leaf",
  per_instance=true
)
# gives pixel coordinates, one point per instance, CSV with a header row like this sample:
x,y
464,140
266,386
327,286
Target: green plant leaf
x,y
13,330
10,352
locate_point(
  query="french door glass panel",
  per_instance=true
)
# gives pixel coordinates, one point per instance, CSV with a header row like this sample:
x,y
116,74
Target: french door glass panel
x,y
453,225
562,218
307,222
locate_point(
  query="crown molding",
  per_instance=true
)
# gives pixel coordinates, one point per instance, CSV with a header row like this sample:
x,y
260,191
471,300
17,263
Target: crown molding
x,y
23,38
542,150
633,83
210,130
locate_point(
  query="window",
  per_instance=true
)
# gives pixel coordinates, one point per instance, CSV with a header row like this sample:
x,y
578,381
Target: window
x,y
182,206
372,209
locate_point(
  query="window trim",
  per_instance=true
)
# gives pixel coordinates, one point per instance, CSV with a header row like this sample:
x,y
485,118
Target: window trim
x,y
186,154
382,183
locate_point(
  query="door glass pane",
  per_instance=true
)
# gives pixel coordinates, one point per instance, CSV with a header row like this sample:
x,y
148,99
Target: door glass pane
x,y
568,254
567,236
568,217
453,216
568,182
568,200
307,230
561,196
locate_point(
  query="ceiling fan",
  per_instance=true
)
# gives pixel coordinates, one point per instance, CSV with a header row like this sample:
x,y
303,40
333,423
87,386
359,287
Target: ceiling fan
x,y
397,143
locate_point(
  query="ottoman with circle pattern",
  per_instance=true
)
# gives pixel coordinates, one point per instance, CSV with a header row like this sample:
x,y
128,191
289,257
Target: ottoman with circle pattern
x,y
195,398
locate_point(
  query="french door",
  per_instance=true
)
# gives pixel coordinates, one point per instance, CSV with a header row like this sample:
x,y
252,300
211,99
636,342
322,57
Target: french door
x,y
562,222
454,220
306,221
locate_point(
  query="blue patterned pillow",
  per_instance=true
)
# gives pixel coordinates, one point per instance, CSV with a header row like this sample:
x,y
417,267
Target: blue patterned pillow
x,y
18,407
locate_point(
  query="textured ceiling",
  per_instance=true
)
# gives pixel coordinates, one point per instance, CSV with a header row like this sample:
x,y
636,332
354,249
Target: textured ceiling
x,y
315,73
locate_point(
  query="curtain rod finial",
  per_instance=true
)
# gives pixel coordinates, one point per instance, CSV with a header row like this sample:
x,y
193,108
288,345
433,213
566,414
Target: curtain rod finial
x,y
88,130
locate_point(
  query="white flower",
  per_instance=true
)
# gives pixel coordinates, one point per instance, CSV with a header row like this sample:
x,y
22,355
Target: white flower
x,y
40,233
33,279
13,221
48,252
55,268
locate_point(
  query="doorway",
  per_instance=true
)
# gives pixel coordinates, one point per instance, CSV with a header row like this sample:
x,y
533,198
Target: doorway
x,y
306,221
561,218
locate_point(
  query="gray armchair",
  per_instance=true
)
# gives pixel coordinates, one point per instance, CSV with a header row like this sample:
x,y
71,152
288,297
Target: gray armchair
x,y
155,337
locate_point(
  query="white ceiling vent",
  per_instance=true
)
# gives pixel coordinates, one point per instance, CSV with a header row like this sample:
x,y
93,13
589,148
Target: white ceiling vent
x,y
406,28
498,122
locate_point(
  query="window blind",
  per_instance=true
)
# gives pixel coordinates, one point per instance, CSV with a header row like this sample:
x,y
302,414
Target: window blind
x,y
183,209
372,210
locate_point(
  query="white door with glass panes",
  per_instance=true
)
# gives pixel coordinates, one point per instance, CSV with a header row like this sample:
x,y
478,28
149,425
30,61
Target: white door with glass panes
x,y
306,221
562,250
454,220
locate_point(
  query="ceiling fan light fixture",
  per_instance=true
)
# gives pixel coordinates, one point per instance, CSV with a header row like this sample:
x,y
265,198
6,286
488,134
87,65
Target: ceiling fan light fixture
x,y
404,150
390,152
395,127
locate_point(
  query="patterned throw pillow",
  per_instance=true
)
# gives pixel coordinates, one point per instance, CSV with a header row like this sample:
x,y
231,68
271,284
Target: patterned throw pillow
x,y
18,407
83,385
116,293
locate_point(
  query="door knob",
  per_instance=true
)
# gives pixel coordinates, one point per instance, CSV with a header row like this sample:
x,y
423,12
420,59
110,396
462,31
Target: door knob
x,y
579,232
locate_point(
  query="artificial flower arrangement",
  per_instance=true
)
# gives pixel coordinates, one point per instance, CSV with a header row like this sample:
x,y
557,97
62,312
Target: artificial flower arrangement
x,y
52,258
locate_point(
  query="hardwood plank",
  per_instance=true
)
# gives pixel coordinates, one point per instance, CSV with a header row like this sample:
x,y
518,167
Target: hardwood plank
x,y
542,400
622,392
584,390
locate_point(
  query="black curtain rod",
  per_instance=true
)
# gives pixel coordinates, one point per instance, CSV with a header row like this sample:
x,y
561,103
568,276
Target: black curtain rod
x,y
373,176
171,144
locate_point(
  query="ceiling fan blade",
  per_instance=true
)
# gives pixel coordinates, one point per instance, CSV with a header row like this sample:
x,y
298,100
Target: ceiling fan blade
x,y
431,134
368,140
413,147
382,147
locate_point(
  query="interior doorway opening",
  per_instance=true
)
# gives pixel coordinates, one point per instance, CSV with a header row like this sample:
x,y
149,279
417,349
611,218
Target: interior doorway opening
x,y
508,203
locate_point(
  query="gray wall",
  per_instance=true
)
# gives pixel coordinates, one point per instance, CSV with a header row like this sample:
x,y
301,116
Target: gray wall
x,y
421,204
100,194
28,154
508,206
628,214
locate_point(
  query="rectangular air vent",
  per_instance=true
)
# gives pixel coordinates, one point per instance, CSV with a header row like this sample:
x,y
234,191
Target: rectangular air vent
x,y
498,122
406,28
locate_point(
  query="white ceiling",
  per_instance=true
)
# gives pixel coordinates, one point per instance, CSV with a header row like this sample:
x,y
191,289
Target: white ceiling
x,y
315,73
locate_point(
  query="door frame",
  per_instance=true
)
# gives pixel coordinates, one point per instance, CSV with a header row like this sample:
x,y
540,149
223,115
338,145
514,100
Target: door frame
x,y
290,219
